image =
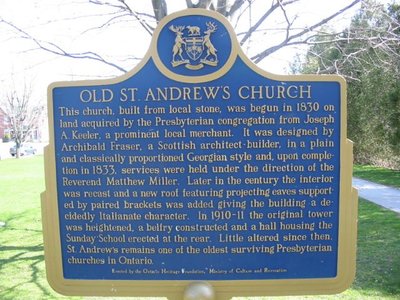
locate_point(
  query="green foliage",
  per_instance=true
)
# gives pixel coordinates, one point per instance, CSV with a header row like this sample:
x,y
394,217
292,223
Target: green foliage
x,y
372,124
367,54
394,102
21,245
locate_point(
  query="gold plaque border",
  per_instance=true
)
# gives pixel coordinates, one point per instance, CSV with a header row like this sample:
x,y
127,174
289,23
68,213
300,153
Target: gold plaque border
x,y
348,203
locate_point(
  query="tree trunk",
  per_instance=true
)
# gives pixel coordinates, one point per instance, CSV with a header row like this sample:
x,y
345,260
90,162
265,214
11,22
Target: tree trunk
x,y
17,149
160,9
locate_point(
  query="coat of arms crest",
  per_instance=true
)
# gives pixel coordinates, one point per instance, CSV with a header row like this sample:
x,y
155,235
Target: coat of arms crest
x,y
193,49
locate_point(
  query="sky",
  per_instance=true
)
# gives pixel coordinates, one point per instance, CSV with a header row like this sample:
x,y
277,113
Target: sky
x,y
73,23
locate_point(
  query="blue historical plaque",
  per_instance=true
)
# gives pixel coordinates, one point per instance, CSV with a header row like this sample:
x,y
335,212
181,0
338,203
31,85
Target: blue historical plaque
x,y
199,166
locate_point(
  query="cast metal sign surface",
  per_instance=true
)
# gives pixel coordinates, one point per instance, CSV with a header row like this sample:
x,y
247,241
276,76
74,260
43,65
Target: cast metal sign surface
x,y
199,166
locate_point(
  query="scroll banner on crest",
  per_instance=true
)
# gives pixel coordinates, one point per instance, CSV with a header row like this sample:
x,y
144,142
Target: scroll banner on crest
x,y
199,166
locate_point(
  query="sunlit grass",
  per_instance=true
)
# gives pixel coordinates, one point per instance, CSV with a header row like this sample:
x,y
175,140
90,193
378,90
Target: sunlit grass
x,y
379,175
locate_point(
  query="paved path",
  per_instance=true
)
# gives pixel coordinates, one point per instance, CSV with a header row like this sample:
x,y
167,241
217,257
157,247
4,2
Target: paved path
x,y
385,196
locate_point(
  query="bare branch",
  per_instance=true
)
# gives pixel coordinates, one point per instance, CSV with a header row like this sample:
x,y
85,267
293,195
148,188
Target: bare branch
x,y
142,22
114,20
57,50
289,23
125,11
287,41
124,8
235,7
259,22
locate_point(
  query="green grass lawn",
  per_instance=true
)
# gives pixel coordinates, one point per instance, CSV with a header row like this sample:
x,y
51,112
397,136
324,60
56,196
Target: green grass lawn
x,y
21,244
22,274
379,175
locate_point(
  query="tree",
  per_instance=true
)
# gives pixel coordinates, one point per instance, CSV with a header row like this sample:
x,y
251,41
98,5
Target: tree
x,y
253,20
23,113
372,41
367,54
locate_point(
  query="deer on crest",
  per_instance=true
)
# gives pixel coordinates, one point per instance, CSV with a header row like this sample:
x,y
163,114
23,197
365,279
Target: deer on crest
x,y
177,49
211,27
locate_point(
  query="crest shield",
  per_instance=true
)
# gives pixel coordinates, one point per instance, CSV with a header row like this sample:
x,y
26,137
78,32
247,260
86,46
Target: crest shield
x,y
194,47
